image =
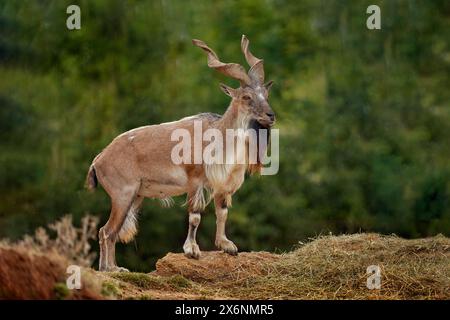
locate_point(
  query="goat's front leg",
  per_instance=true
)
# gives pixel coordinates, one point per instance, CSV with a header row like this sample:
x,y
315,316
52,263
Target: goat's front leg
x,y
190,246
222,242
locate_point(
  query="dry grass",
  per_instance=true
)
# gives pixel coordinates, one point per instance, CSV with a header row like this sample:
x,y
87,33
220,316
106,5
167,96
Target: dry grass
x,y
334,267
70,242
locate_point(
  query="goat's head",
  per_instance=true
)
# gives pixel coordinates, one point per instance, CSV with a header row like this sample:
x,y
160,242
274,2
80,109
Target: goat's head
x,y
252,95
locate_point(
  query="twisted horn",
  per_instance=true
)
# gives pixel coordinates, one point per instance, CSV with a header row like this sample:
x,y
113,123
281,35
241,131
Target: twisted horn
x,y
256,71
232,70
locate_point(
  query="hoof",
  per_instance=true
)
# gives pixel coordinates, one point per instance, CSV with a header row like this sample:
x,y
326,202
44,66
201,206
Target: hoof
x,y
227,246
191,250
121,269
115,269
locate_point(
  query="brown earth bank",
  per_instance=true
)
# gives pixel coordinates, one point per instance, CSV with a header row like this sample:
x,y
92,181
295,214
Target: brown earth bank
x,y
26,274
328,267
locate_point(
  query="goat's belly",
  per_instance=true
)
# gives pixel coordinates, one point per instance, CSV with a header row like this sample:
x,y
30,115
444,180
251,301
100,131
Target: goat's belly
x,y
153,189
163,183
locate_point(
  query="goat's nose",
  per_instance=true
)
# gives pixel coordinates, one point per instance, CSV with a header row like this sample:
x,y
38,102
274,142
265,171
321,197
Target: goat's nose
x,y
271,115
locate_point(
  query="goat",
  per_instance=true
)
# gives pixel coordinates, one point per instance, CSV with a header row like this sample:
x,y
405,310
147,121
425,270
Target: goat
x,y
137,164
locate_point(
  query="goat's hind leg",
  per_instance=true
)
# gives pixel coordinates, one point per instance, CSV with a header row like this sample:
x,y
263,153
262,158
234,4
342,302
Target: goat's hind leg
x,y
108,234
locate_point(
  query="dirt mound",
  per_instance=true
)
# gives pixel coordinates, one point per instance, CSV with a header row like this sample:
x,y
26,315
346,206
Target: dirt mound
x,y
25,274
216,266
214,276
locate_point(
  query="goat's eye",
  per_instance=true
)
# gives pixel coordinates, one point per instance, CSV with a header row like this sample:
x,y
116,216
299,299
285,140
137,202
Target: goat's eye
x,y
246,97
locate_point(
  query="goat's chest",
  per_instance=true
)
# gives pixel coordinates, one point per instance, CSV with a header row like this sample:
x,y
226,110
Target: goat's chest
x,y
225,178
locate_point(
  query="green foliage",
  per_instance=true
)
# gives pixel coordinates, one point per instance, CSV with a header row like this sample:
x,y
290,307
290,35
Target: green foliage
x,y
140,280
179,282
148,281
61,291
363,115
110,289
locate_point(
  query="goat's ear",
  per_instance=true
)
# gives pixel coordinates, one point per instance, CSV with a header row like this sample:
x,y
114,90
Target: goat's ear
x,y
268,85
228,90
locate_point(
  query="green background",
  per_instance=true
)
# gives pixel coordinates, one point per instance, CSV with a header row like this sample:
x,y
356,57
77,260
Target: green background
x,y
364,115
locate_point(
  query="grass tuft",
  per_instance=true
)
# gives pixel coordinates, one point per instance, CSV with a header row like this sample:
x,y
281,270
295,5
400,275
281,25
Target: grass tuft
x,y
140,280
110,289
61,291
179,282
